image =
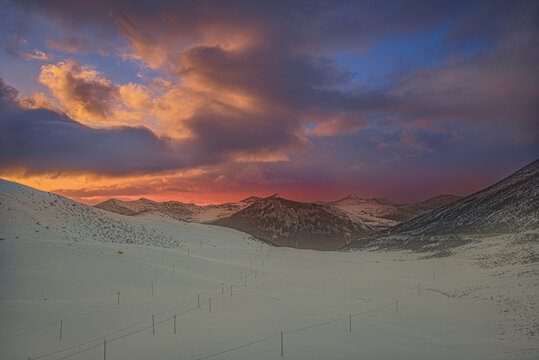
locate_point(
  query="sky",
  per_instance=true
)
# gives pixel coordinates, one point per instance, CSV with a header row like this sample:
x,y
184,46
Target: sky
x,y
215,101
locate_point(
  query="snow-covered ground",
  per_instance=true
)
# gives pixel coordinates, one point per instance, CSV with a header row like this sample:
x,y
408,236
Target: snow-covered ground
x,y
472,305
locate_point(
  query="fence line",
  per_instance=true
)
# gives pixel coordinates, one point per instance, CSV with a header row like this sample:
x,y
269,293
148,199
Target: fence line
x,y
46,325
238,347
41,356
220,293
121,336
30,331
312,326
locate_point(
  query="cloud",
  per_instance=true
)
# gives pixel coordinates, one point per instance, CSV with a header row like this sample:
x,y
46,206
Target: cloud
x,y
275,61
37,55
248,87
13,46
7,93
38,140
73,44
82,91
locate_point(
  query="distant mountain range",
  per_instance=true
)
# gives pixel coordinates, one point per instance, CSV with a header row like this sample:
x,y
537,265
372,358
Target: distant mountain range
x,y
509,206
382,213
175,209
282,222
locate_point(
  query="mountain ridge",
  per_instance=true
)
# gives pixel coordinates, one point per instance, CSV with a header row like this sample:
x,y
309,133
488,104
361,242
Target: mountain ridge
x,y
510,206
284,222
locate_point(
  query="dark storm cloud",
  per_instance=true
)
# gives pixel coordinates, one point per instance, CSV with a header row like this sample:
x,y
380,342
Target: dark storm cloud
x,y
39,140
280,58
44,141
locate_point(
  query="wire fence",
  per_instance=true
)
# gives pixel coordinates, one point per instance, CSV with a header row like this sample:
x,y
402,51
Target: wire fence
x,y
245,272
316,325
101,341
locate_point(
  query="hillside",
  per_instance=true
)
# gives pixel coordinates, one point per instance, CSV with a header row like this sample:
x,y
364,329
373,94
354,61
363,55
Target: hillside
x,y
382,213
295,224
51,214
510,206
67,264
175,209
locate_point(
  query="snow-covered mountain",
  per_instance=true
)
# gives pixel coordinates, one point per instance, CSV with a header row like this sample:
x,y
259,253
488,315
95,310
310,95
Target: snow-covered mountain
x,y
54,272
175,209
47,213
296,224
290,223
380,213
510,206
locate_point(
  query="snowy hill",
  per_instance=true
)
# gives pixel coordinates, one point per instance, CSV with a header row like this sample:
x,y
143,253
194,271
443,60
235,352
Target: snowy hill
x,y
175,209
100,277
382,213
22,206
313,225
423,207
296,224
510,206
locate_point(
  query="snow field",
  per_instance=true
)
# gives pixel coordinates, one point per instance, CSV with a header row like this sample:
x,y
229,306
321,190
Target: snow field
x,y
46,277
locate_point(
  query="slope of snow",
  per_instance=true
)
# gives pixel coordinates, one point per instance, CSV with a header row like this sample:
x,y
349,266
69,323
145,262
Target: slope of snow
x,y
175,209
509,206
381,214
296,224
472,305
49,213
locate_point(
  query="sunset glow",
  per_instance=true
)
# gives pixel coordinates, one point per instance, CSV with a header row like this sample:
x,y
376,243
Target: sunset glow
x,y
212,101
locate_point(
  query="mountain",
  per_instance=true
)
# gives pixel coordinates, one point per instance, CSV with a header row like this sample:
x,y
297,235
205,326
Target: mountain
x,y
116,206
284,222
295,224
510,206
49,214
406,212
175,209
380,213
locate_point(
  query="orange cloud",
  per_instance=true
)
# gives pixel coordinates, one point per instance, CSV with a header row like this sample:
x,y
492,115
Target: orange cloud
x,y
81,90
339,125
37,55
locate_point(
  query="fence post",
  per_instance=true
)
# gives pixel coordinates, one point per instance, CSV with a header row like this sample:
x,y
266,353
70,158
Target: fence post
x,y
153,324
174,324
198,302
152,287
61,328
350,322
241,275
118,296
282,352
397,305
105,349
